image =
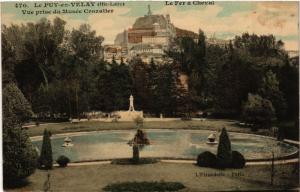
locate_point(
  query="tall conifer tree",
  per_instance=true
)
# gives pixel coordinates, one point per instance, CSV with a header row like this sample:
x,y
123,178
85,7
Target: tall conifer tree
x,y
46,159
224,154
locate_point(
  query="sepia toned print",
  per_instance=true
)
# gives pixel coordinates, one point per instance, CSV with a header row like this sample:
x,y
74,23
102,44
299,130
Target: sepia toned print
x,y
147,96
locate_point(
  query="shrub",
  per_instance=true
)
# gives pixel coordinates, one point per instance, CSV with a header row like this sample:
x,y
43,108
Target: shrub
x,y
238,160
46,159
63,161
144,186
207,159
258,111
139,121
224,155
19,155
131,161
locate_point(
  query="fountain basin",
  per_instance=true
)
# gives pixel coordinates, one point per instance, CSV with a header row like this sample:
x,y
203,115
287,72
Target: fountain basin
x,y
169,144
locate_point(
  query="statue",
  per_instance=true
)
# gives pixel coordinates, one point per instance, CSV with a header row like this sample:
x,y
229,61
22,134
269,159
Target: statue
x,y
67,142
131,107
149,10
211,139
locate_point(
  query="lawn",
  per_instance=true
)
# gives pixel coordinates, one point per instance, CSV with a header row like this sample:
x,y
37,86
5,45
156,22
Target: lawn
x,y
212,124
97,177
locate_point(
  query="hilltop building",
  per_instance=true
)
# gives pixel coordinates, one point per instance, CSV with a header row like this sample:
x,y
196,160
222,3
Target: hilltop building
x,y
149,37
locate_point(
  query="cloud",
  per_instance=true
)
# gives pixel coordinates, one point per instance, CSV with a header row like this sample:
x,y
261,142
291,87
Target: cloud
x,y
106,25
291,45
280,19
10,18
109,25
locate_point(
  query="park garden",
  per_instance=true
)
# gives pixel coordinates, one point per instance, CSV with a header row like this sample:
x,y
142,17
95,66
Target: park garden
x,y
244,94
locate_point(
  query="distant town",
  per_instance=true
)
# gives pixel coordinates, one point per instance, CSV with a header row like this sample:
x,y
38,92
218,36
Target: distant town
x,y
151,36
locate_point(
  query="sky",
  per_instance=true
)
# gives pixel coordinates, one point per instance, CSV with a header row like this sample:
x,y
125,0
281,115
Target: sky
x,y
223,19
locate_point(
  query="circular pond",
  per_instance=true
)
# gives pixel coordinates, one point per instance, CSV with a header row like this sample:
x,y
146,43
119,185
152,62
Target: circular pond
x,y
164,143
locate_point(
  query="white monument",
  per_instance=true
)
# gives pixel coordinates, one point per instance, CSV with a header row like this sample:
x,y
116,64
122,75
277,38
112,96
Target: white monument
x,y
131,107
131,114
67,142
211,139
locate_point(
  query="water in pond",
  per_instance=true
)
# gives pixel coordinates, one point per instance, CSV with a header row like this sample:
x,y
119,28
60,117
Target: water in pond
x,y
164,143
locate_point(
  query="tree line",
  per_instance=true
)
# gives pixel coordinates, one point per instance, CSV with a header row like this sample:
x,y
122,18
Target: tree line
x,y
224,79
62,72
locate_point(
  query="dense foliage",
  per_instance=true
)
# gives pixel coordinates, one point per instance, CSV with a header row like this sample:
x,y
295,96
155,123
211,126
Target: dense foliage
x,y
46,159
19,155
258,111
62,73
249,64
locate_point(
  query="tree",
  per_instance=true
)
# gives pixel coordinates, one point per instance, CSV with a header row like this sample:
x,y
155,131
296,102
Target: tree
x,y
184,103
98,87
120,86
289,86
51,65
191,57
224,154
258,111
215,59
19,155
165,89
235,79
199,68
140,76
39,52
257,46
46,159
83,50
248,60
270,90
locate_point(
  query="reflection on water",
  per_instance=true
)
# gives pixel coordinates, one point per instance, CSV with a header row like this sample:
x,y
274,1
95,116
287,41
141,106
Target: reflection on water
x,y
164,143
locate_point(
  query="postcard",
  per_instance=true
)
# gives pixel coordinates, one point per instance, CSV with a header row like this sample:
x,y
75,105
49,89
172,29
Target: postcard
x,y
147,96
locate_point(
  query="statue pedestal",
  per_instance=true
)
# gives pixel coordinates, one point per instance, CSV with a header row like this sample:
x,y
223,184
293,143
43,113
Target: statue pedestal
x,y
128,115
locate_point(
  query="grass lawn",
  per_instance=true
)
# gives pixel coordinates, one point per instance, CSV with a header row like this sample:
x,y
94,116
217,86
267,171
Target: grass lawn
x,y
96,177
212,124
